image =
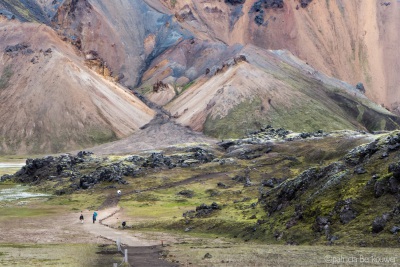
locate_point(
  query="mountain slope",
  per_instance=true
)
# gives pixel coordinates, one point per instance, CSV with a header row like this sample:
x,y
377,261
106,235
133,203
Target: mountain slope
x,y
24,10
52,102
260,87
127,35
349,40
205,61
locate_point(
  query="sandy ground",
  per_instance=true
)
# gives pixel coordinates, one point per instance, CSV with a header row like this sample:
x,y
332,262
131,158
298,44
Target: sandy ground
x,y
68,229
100,229
50,229
143,249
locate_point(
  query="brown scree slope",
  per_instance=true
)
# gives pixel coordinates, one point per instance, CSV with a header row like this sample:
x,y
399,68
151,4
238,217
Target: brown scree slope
x,y
51,101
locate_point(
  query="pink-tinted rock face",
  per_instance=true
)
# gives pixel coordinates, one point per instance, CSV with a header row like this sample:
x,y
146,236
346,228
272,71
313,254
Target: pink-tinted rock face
x,y
350,40
51,101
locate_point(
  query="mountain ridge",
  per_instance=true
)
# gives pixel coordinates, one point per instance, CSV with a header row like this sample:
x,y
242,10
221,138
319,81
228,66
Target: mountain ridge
x,y
167,51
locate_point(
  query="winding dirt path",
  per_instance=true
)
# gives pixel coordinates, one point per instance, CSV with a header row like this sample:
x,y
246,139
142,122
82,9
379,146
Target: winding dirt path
x,y
141,251
102,230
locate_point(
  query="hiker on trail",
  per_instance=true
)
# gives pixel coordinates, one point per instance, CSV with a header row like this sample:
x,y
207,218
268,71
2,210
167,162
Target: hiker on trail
x,y
81,217
94,216
123,224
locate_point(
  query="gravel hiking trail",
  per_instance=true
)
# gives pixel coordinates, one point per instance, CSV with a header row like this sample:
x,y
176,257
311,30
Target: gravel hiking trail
x,y
142,252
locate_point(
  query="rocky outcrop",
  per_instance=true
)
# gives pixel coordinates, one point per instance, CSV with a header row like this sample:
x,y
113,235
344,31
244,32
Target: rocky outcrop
x,y
305,3
379,223
13,50
258,8
311,178
273,3
186,193
346,211
235,2
361,153
202,211
66,168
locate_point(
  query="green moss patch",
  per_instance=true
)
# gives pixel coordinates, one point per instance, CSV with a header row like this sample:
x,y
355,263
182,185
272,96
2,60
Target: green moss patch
x,y
6,76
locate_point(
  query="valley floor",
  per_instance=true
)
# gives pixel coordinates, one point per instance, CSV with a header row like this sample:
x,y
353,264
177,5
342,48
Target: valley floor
x,y
53,237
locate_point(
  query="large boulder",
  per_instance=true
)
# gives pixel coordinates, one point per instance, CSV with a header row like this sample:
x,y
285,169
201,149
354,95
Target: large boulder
x,y
235,2
379,223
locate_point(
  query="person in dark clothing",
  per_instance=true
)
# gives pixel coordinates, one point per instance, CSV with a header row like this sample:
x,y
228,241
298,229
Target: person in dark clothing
x,y
81,217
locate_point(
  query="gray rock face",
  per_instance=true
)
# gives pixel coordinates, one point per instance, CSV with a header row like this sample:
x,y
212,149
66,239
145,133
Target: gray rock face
x,y
379,223
347,214
361,153
186,193
360,170
24,10
304,3
395,229
273,3
394,168
235,2
321,223
270,182
7,14
131,22
201,211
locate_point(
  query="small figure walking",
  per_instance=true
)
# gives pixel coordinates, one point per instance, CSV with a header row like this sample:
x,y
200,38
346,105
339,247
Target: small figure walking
x,y
81,217
94,216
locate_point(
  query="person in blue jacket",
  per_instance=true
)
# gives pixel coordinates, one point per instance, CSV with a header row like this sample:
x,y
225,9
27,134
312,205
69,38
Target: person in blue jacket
x,y
94,216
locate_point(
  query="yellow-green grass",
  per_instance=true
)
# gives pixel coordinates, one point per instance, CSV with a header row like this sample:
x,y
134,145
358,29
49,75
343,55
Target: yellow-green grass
x,y
15,212
164,208
83,200
73,255
6,76
16,158
4,171
236,253
166,204
11,160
